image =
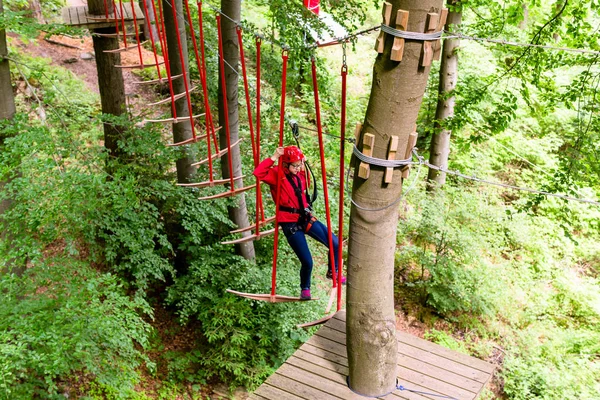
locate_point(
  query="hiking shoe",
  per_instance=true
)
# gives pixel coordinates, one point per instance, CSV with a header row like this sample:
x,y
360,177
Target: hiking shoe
x,y
330,277
305,294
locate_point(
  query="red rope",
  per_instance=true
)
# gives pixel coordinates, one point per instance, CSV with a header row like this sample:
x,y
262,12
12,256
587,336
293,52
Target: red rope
x,y
284,57
163,36
238,30
185,81
205,88
105,9
225,105
123,23
259,193
116,19
341,205
147,16
137,32
324,173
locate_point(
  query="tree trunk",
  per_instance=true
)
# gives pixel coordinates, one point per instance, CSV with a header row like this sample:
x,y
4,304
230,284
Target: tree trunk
x,y
36,11
110,80
439,149
7,111
150,23
396,95
239,213
183,130
7,98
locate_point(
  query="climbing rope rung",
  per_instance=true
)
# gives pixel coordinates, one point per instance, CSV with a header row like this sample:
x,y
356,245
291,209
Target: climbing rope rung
x,y
139,66
124,49
217,155
173,98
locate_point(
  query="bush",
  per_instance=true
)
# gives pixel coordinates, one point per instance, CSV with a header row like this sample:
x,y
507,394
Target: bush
x,y
61,320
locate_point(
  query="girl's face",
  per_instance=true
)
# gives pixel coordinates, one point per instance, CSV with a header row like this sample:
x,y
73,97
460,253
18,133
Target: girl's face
x,y
295,167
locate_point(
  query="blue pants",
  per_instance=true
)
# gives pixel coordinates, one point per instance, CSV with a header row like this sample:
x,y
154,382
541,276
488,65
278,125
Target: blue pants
x,y
297,241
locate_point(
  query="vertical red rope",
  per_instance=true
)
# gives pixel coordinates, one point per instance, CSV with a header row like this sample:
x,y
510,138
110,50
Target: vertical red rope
x,y
324,173
147,16
116,18
341,200
123,23
225,101
105,9
205,88
185,81
238,30
165,51
137,32
260,213
284,57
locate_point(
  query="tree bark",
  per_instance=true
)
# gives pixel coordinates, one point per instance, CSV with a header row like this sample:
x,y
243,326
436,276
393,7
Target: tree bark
x,y
439,149
7,111
183,130
396,95
238,213
7,97
36,11
110,80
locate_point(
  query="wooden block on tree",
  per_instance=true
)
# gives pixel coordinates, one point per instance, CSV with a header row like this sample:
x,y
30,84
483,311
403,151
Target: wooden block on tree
x,y
412,140
401,25
389,171
357,131
437,46
387,14
430,25
364,169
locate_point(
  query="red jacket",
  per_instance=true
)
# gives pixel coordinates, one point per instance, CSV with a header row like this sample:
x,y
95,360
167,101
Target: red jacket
x,y
267,173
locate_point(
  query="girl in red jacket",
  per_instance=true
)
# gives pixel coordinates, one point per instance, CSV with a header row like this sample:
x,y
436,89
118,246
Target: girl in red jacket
x,y
294,215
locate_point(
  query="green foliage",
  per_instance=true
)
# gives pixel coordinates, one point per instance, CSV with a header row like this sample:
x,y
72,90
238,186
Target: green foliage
x,y
63,319
441,254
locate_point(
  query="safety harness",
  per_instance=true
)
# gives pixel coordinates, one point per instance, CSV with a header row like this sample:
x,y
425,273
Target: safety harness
x,y
306,219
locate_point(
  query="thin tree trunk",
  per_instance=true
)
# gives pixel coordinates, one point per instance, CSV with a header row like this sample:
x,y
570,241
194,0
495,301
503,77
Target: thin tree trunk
x,y
7,98
183,130
396,95
36,11
150,22
110,80
439,149
7,111
238,213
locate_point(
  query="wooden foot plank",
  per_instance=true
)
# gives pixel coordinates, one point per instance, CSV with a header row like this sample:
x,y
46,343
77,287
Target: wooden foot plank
x,y
252,227
251,237
329,345
219,154
328,356
229,193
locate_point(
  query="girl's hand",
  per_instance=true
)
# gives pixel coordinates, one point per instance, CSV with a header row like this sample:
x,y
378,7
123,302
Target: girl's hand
x,y
278,153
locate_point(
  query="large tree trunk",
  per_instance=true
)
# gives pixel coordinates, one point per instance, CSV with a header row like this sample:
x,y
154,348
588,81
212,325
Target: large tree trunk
x,y
7,111
183,130
36,11
396,95
110,80
238,213
439,149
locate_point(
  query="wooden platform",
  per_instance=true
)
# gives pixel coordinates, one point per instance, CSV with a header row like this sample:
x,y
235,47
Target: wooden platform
x,y
80,17
318,370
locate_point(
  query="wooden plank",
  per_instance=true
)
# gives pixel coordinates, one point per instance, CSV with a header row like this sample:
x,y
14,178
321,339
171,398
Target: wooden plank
x,y
419,343
299,389
328,345
440,373
342,361
254,396
412,140
437,45
445,352
393,148
434,385
386,12
426,354
321,361
269,392
401,25
427,55
364,169
340,378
